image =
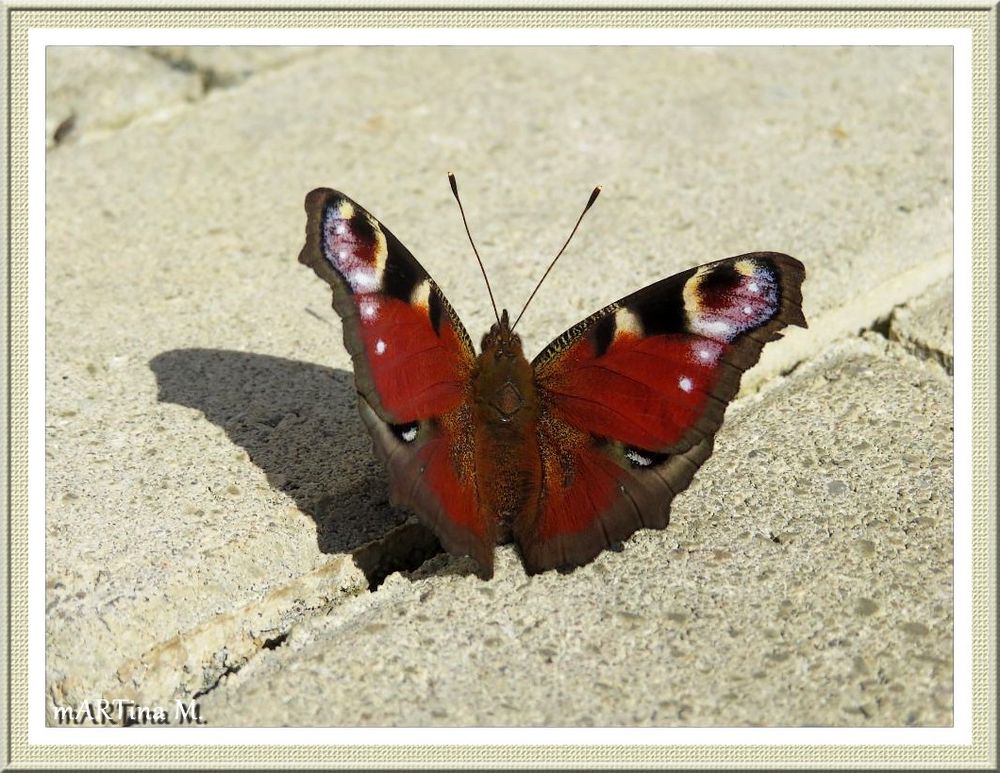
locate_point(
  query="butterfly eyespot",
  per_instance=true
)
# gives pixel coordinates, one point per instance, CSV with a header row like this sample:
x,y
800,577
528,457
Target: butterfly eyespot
x,y
407,433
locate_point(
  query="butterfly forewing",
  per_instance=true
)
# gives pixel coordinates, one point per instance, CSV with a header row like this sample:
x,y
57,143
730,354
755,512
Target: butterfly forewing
x,y
411,353
631,399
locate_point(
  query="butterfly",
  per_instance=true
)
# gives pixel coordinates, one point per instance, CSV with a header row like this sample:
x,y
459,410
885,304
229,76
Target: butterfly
x,y
568,454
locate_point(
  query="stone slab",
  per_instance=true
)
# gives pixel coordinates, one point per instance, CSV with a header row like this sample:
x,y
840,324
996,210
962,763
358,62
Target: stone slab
x,y
204,452
925,325
91,90
805,579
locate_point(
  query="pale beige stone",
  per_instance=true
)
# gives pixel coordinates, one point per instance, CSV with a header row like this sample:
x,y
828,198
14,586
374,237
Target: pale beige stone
x,y
204,451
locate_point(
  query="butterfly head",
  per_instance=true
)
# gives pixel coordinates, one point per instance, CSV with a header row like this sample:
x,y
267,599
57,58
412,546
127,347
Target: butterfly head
x,y
501,341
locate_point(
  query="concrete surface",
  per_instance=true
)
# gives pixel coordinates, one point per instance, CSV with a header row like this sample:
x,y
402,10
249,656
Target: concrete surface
x,y
924,325
776,571
91,91
217,525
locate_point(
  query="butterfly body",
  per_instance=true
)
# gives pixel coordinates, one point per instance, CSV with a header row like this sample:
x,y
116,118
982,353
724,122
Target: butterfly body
x,y
571,452
508,465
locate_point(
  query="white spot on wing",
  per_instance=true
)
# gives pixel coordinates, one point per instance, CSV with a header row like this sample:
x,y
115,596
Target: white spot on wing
x,y
363,280
380,346
712,328
340,229
747,310
421,295
368,308
627,323
753,287
409,435
686,384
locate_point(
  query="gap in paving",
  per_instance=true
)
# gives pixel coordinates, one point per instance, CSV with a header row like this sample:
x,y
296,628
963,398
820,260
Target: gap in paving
x,y
883,326
403,549
210,78
275,642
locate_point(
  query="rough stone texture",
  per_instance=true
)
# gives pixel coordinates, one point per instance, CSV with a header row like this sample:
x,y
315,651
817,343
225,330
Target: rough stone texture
x,y
93,89
805,579
210,486
925,324
226,66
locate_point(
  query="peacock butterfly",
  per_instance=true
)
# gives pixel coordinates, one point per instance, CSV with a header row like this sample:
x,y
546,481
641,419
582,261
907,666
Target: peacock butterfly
x,y
572,452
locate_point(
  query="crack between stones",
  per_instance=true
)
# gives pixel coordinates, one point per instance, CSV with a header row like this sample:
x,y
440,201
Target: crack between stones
x,y
225,644
883,326
403,549
926,353
272,643
210,78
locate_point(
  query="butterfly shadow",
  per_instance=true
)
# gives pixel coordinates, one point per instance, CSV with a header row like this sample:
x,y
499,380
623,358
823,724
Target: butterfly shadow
x,y
299,423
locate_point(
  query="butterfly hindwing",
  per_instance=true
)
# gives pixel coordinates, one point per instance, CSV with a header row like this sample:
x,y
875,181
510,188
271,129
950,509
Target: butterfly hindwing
x,y
412,361
631,399
431,473
595,496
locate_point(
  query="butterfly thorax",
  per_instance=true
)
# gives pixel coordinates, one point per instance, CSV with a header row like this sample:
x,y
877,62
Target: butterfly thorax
x,y
505,405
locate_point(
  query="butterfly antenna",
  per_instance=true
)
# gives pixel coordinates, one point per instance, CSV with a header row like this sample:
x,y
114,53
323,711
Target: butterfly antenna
x,y
590,203
454,190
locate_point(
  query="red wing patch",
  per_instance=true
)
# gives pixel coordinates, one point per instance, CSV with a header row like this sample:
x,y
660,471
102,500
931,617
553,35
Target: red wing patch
x,y
456,492
596,493
656,369
579,483
644,392
432,472
417,373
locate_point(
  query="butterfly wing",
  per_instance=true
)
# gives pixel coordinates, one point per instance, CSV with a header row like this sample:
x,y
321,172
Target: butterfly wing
x,y
631,399
412,359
